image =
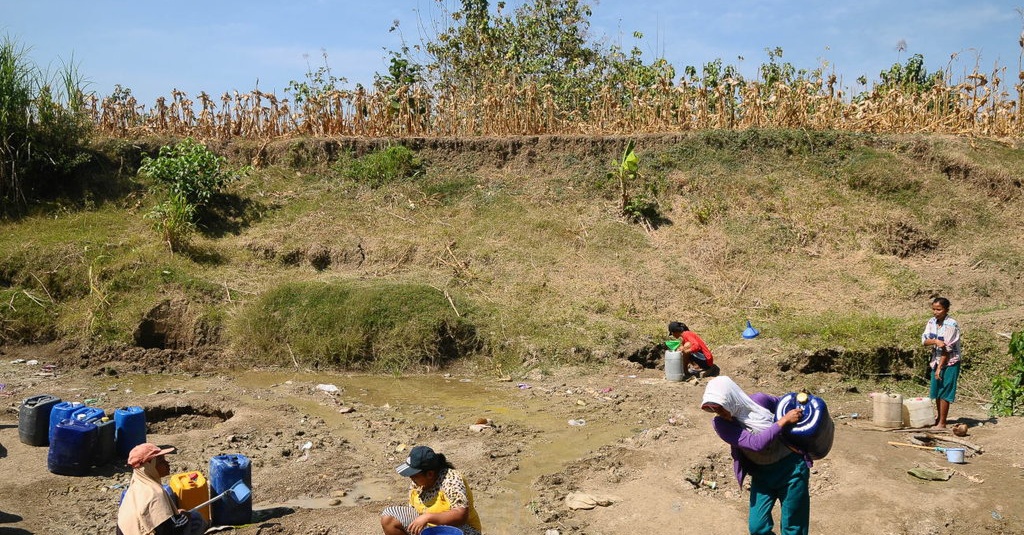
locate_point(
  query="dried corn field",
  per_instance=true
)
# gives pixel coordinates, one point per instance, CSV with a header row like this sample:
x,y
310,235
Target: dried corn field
x,y
980,105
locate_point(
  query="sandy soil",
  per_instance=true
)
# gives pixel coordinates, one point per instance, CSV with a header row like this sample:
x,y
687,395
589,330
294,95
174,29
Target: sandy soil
x,y
645,448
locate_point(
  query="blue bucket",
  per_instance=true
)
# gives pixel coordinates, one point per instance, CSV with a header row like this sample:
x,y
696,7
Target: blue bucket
x,y
441,530
226,470
129,429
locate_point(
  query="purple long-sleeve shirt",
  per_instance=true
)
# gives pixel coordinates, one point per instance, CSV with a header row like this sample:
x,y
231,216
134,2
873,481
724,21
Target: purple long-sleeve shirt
x,y
740,438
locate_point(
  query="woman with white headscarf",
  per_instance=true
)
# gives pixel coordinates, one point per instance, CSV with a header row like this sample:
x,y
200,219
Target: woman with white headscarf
x,y
777,470
146,509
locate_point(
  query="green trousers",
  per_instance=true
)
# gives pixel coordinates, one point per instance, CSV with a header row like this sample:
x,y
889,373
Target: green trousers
x,y
785,481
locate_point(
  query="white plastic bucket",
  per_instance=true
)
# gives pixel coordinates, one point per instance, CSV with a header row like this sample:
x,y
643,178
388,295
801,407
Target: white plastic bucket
x,y
673,366
955,455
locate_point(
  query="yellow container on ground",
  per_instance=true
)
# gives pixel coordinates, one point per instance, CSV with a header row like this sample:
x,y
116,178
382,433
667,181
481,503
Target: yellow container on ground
x,y
192,489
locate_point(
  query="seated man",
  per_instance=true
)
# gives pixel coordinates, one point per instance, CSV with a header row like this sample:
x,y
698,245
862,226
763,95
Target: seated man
x,y
695,352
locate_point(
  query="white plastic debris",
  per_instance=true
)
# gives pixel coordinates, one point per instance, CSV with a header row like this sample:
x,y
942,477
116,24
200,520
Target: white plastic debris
x,y
330,389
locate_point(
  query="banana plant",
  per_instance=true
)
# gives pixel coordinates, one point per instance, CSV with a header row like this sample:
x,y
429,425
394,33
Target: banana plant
x,y
628,171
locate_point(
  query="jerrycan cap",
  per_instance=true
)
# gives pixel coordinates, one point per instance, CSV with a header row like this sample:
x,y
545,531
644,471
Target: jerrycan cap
x,y
802,397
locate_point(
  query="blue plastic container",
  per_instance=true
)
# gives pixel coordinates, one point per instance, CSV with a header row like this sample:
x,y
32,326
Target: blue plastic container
x,y
129,429
815,431
72,449
226,470
88,414
34,419
60,412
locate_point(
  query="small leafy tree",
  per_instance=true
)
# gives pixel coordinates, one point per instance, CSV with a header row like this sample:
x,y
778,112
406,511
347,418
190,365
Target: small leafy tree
x,y
628,171
188,169
1008,388
541,43
189,175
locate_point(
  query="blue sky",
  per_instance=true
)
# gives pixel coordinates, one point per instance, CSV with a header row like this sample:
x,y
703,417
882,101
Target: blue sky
x,y
223,45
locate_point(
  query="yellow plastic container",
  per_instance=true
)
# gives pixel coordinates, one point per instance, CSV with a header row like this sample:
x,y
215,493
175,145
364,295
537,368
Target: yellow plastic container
x,y
192,489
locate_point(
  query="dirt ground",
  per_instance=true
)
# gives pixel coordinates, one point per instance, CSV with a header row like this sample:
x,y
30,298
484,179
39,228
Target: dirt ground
x,y
323,462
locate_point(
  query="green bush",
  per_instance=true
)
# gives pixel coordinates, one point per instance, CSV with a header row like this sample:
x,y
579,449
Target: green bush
x,y
376,169
1008,388
189,174
383,326
188,169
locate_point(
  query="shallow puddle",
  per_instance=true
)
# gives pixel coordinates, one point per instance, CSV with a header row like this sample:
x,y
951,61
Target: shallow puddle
x,y
421,398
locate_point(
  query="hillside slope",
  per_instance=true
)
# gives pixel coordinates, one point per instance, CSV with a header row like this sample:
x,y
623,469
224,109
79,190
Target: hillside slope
x,y
830,243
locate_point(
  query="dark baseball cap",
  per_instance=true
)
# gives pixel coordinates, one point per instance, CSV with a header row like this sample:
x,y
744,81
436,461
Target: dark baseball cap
x,y
676,327
420,459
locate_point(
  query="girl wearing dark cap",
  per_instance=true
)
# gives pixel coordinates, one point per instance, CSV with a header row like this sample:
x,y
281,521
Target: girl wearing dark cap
x,y
438,496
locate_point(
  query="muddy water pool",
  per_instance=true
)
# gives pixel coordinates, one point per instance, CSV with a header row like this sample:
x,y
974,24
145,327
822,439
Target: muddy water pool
x,y
555,440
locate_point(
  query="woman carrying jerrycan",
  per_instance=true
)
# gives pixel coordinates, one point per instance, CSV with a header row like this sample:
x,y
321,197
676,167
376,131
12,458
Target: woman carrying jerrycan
x,y
778,472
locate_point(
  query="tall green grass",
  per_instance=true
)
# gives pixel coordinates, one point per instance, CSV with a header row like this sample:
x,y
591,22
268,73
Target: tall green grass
x,y
43,129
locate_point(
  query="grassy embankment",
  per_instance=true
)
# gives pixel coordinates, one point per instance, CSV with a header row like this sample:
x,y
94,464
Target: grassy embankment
x,y
513,252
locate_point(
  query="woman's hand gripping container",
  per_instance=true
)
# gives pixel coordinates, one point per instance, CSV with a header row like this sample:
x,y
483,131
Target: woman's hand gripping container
x,y
815,431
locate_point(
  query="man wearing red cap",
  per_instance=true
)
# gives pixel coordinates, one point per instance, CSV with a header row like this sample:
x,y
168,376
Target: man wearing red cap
x,y
146,509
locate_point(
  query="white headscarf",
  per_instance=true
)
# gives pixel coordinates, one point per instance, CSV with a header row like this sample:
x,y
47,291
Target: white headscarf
x,y
724,391
145,505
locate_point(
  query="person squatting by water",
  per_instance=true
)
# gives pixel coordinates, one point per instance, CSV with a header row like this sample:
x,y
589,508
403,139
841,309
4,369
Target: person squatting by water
x,y
146,508
942,335
778,471
694,351
438,495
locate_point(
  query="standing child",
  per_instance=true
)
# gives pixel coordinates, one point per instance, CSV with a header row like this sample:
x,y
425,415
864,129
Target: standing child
x,y
695,351
942,335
